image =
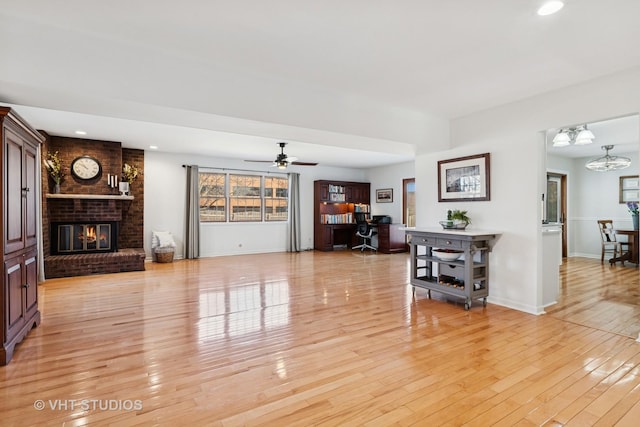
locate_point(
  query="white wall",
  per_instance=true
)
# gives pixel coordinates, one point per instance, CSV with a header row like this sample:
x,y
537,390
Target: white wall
x,y
389,177
165,199
513,134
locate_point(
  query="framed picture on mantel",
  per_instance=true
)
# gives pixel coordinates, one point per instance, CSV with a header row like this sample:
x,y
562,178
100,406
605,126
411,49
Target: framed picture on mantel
x,y
464,178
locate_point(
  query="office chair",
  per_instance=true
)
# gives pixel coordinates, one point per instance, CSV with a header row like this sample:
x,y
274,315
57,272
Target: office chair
x,y
364,231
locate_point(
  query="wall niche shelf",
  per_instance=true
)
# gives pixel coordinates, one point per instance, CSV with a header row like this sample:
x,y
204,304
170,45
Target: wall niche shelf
x,y
89,196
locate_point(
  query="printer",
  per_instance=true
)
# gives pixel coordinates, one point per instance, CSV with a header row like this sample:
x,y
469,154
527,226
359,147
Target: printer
x,y
381,219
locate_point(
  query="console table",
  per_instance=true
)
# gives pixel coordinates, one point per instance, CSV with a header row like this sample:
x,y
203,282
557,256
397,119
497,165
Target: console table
x,y
467,277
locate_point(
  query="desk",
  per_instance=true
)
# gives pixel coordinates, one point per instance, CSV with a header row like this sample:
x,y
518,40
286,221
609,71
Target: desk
x,y
390,237
328,236
632,254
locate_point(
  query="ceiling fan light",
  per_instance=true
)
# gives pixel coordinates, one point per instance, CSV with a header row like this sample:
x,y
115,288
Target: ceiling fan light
x,y
608,163
282,164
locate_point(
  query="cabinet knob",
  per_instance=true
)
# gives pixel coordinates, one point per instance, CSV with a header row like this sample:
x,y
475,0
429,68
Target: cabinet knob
x,y
26,285
26,189
448,242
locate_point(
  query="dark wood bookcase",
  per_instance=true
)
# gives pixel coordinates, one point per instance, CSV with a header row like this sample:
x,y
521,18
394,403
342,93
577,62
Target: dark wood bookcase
x,y
334,205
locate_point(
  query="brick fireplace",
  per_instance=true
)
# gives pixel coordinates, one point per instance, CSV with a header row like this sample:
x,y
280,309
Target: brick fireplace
x,y
76,220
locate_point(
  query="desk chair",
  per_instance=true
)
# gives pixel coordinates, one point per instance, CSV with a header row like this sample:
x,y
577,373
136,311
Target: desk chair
x,y
608,237
364,231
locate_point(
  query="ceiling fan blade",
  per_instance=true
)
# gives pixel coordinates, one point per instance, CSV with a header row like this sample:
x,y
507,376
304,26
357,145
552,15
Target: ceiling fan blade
x,y
282,160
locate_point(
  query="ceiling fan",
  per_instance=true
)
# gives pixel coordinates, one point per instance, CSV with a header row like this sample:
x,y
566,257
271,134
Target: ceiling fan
x,y
282,161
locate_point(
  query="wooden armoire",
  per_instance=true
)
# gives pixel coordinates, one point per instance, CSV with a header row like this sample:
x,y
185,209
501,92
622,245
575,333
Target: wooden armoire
x,y
20,198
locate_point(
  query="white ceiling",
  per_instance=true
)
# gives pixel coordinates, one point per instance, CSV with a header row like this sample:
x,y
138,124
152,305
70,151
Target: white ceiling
x,y
345,83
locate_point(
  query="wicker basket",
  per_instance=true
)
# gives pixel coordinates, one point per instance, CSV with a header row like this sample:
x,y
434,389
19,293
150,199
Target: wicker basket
x,y
164,254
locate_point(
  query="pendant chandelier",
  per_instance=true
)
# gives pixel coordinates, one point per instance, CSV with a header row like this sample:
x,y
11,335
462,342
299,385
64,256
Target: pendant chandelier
x,y
608,162
578,135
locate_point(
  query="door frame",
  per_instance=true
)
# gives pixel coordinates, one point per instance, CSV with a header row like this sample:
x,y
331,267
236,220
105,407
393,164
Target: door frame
x,y
563,207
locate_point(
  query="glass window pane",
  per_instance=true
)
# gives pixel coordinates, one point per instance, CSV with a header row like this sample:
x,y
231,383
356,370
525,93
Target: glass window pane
x,y
213,207
244,198
276,198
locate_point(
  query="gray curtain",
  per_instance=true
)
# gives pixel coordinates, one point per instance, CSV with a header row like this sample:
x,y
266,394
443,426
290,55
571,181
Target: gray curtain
x,y
293,232
192,228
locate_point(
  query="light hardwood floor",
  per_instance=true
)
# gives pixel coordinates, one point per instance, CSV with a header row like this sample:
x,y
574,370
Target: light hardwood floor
x,y
328,339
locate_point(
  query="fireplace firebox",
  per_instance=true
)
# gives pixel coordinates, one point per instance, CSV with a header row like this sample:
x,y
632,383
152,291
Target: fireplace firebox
x,y
84,237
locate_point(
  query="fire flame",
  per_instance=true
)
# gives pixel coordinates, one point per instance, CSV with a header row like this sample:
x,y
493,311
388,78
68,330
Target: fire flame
x,y
89,235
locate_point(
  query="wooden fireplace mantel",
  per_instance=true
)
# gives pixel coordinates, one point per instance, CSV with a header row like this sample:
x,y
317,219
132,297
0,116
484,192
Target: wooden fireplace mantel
x,y
89,196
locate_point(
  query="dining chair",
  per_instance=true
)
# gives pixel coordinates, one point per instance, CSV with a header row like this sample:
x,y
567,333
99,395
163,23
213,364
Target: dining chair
x,y
608,237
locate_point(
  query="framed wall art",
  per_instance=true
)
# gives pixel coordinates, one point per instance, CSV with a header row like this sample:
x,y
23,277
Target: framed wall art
x,y
384,195
629,189
464,178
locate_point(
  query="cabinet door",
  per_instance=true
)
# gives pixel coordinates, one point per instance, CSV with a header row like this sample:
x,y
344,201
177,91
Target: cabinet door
x,y
324,192
14,236
327,237
30,194
14,303
350,194
30,284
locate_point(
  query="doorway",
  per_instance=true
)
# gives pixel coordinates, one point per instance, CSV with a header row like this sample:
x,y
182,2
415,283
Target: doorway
x,y
409,202
556,206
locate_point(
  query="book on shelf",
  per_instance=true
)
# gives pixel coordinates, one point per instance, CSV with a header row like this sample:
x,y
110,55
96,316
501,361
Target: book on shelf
x,y
336,188
337,197
346,218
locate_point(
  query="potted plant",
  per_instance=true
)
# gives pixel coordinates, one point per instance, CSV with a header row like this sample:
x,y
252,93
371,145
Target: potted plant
x,y
55,169
460,218
129,174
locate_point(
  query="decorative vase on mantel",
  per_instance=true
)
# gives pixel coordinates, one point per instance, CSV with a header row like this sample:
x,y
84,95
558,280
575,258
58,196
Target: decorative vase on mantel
x,y
56,188
123,186
634,218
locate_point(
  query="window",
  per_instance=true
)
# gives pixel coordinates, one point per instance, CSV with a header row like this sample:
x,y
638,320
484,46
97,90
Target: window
x,y
213,206
276,198
243,198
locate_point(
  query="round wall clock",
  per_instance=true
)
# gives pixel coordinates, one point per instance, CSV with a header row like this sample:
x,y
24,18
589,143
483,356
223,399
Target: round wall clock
x,y
86,168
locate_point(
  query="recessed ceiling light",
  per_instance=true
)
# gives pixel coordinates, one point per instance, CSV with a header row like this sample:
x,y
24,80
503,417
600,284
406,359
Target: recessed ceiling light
x,y
80,132
153,147
550,7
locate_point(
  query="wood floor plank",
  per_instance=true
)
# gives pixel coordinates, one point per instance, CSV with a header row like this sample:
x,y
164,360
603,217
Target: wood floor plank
x,y
323,339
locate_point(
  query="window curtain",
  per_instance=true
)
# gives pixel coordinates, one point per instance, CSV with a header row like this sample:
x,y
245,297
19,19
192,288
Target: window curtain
x,y
192,228
293,232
